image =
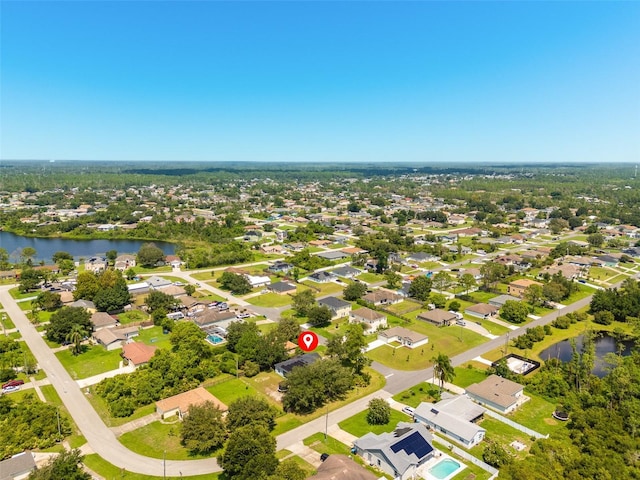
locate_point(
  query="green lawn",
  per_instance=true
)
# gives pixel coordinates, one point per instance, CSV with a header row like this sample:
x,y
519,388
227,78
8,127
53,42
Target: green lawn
x,y
536,414
141,269
158,439
358,426
229,391
503,434
325,288
110,471
154,336
370,277
404,307
93,361
466,376
414,396
7,322
329,445
132,316
203,275
270,300
15,293
441,339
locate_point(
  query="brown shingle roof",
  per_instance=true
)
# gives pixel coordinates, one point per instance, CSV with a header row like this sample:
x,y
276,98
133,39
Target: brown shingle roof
x,y
183,401
483,309
496,390
138,353
367,314
437,316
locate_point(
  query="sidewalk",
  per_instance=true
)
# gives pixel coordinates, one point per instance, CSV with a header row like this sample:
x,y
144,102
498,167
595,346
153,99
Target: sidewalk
x,y
135,424
86,382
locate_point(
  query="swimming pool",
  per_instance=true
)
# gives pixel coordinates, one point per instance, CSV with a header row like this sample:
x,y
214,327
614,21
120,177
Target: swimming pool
x,y
215,339
444,468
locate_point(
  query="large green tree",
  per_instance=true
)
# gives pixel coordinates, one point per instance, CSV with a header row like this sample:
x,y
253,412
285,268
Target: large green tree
x,y
354,291
379,412
203,430
249,454
420,288
514,311
238,284
65,465
349,348
303,302
149,255
63,321
251,410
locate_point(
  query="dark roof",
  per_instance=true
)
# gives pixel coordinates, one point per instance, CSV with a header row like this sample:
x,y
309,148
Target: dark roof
x,y
333,303
414,443
322,275
281,287
300,361
333,255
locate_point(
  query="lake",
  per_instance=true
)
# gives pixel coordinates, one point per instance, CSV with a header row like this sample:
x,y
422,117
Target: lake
x,y
46,247
605,343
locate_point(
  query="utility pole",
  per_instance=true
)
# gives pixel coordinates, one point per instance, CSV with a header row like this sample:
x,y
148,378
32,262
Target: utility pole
x,y
326,424
164,465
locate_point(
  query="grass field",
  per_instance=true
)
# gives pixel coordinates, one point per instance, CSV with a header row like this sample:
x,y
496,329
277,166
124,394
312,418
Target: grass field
x,y
536,415
466,376
229,391
414,396
110,471
154,336
132,316
270,300
358,426
441,339
370,277
158,439
504,435
325,288
93,361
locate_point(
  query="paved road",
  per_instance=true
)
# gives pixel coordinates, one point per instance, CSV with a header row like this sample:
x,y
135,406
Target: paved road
x,y
101,439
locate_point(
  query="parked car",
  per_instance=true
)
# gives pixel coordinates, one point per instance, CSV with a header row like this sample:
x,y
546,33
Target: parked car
x,y
408,410
324,456
11,389
13,383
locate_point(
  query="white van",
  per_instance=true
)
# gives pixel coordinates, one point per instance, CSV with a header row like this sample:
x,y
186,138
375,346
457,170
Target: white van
x,y
461,322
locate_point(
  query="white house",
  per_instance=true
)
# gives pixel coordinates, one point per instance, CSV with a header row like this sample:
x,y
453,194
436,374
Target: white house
x,y
370,319
498,393
258,280
454,417
404,336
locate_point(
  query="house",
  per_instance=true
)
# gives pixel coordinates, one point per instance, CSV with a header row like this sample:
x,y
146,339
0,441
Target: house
x,y
420,257
272,249
382,297
95,264
17,467
179,404
341,467
334,255
608,260
321,277
191,305
103,320
173,260
346,272
210,318
339,308
481,310
113,338
500,300
567,270
88,305
258,280
454,417
498,393
158,282
518,287
400,453
474,272
438,317
370,319
280,267
137,353
174,290
138,288
404,336
281,288
284,368
125,262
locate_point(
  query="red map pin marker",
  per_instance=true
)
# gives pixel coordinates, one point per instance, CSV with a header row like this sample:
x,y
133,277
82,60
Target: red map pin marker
x,y
308,341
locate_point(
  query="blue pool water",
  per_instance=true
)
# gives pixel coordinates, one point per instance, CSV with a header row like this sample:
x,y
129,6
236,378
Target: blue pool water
x,y
444,468
215,339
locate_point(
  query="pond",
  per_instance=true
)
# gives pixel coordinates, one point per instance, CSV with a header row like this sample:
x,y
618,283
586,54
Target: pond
x,y
46,247
605,343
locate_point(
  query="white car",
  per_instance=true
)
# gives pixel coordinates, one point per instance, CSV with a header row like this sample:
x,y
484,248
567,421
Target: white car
x,y
408,410
13,388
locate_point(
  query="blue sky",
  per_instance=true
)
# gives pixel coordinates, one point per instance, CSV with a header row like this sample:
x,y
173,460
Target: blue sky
x,y
321,81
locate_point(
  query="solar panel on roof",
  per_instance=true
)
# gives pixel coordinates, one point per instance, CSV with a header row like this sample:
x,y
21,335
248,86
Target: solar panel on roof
x,y
413,444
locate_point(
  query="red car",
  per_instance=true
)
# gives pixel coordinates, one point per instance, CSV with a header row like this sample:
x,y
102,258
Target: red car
x,y
13,383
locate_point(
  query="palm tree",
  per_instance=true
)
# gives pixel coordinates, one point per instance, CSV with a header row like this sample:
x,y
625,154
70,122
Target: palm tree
x,y
443,369
75,336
